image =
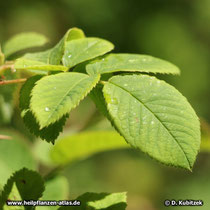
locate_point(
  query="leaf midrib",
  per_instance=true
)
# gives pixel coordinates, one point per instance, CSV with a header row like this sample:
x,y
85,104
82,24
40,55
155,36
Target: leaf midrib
x,y
173,137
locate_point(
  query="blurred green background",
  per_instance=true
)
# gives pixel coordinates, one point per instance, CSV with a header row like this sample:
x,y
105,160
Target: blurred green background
x,y
175,30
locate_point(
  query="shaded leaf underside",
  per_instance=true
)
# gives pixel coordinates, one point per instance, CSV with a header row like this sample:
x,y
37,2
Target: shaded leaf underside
x,y
23,41
49,133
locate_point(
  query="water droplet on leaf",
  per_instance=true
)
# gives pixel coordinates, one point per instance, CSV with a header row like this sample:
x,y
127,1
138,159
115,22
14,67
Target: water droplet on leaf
x,y
47,109
114,101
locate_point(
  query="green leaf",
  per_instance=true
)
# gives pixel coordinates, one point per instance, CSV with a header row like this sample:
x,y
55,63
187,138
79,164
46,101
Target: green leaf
x,y
56,95
78,51
23,64
74,33
50,59
155,117
23,41
14,195
41,150
131,63
29,183
56,53
49,133
98,98
112,201
85,144
15,147
100,201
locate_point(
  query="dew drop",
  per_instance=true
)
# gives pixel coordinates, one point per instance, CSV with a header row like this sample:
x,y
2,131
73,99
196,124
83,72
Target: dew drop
x,y
69,56
152,122
47,109
103,59
114,101
14,70
125,85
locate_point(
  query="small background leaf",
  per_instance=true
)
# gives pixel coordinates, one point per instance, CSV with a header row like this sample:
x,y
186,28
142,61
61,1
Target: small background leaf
x,y
85,144
96,201
16,147
23,41
14,195
30,186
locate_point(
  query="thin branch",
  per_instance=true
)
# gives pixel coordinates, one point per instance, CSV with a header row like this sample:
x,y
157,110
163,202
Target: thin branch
x,y
7,65
7,82
2,137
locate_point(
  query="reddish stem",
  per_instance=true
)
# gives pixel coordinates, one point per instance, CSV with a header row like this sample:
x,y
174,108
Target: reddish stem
x,y
7,82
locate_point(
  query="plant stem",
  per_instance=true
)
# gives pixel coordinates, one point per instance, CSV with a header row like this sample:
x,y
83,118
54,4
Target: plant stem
x,y
103,82
7,82
3,137
7,65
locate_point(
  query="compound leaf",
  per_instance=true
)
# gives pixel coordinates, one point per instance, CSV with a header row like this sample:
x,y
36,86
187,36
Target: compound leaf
x,y
131,63
30,186
54,96
85,144
80,50
155,117
49,133
23,41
